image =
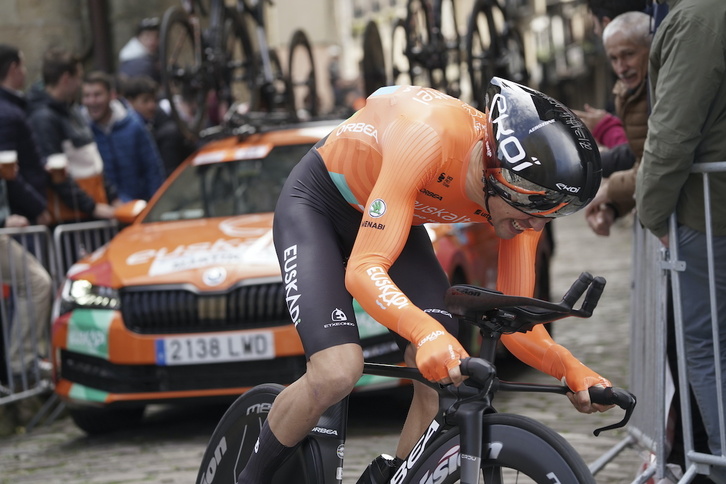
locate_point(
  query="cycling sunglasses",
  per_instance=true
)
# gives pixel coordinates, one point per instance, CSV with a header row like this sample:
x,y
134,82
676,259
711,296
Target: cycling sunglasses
x,y
529,197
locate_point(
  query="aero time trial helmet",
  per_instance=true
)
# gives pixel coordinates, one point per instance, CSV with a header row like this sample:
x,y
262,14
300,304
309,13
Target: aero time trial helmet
x,y
543,160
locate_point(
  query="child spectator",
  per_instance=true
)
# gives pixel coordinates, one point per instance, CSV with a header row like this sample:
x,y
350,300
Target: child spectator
x,y
140,94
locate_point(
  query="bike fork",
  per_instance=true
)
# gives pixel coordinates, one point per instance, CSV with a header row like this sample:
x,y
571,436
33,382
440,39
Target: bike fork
x,y
327,442
470,420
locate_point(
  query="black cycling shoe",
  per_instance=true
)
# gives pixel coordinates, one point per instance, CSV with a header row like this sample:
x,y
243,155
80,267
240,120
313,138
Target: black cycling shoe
x,y
380,470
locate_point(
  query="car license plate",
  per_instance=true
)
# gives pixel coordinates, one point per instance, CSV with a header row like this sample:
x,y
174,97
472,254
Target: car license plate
x,y
216,348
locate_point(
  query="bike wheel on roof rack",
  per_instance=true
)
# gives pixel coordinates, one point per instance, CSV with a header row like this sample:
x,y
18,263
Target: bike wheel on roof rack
x,y
303,81
183,80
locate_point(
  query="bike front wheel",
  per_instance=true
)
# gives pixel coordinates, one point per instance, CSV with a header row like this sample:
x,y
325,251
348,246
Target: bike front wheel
x,y
235,436
516,450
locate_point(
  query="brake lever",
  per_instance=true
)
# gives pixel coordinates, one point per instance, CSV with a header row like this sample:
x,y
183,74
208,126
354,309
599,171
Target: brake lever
x,y
613,395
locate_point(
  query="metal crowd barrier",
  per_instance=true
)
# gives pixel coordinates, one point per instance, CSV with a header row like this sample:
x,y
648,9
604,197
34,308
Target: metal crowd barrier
x,y
31,260
25,260
653,267
73,241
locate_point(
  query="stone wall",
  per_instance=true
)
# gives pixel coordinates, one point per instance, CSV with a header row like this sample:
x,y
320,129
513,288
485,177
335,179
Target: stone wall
x,y
36,25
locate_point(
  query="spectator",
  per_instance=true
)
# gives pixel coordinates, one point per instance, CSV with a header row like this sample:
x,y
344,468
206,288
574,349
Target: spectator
x,y
686,126
60,128
140,55
131,161
627,44
141,93
603,12
606,128
27,191
31,296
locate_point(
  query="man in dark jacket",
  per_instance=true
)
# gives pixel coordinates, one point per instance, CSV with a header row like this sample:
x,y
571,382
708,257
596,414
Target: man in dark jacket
x,y
27,191
59,128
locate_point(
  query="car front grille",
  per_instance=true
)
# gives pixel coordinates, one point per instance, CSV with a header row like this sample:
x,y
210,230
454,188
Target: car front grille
x,y
170,310
97,373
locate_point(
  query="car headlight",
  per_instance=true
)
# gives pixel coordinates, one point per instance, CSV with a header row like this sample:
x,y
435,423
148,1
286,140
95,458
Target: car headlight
x,y
81,293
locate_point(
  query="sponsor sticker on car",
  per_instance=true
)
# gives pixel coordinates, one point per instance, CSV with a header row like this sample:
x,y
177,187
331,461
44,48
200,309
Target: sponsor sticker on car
x,y
216,348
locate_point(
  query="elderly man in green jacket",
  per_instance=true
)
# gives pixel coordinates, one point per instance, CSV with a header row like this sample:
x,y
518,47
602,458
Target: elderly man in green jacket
x,y
687,125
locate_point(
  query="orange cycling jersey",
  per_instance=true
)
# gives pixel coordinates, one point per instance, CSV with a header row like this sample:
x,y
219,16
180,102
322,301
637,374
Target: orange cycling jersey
x,y
405,159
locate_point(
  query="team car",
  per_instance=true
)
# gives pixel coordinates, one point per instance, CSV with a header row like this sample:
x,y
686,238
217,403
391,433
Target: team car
x,y
187,302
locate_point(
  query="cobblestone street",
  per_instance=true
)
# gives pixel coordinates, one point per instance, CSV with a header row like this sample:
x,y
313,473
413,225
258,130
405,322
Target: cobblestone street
x,y
169,446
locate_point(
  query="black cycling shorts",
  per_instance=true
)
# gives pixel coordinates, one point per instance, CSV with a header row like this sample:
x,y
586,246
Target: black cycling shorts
x,y
314,231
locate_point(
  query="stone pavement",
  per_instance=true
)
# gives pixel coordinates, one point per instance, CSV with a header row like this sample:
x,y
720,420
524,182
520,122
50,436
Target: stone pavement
x,y
169,445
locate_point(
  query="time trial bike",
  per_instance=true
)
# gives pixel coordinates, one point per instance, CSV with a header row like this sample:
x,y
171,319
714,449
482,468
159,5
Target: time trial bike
x,y
467,442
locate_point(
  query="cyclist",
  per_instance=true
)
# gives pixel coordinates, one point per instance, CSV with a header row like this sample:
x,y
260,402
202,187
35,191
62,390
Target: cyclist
x,y
350,218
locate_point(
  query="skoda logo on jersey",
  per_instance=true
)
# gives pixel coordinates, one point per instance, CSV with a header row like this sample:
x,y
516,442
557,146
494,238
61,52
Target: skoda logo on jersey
x,y
338,315
377,208
214,276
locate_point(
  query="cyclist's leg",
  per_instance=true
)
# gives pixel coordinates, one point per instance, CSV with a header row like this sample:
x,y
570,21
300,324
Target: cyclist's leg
x,y
419,275
312,260
331,375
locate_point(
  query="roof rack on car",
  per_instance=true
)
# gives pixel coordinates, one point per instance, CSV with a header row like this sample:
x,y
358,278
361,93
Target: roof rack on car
x,y
240,122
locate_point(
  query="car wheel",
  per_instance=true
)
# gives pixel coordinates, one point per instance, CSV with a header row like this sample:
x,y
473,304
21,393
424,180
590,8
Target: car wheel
x,y
96,421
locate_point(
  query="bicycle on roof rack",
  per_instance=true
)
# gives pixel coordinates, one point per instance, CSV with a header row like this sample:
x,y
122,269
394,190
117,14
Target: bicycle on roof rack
x,y
467,442
426,46
494,47
209,65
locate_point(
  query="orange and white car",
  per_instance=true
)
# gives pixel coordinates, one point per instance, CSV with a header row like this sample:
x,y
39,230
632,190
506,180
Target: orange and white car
x,y
187,302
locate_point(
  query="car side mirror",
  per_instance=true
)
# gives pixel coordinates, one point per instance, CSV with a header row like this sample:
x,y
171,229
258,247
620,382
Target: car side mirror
x,y
127,212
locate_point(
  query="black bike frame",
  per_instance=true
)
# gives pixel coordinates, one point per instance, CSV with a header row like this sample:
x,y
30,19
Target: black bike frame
x,y
464,406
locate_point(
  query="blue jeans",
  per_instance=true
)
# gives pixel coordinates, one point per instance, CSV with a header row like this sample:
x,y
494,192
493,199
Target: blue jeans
x,y
698,330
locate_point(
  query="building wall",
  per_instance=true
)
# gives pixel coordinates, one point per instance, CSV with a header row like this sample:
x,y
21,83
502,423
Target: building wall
x,y
567,66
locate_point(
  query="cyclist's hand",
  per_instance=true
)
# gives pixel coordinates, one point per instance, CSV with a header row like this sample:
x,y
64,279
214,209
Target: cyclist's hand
x,y
438,356
599,214
580,381
581,401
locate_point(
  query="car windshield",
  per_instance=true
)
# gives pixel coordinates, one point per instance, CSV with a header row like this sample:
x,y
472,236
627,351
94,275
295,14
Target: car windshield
x,y
227,188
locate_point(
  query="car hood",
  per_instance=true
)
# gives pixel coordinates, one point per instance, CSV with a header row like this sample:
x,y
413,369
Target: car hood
x,y
211,254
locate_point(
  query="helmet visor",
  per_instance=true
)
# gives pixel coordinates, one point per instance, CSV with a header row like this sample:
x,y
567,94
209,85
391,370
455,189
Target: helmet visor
x,y
530,198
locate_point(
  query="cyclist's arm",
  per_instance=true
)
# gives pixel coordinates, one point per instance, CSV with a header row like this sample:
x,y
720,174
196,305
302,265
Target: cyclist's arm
x,y
536,348
411,157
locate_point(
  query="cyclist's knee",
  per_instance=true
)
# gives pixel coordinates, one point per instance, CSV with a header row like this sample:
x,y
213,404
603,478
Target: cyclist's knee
x,y
332,373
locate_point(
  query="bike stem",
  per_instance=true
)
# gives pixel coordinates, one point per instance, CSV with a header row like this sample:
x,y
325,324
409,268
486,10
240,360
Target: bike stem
x,y
470,419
